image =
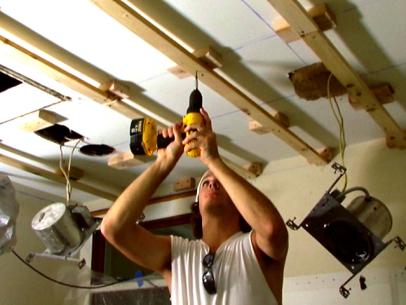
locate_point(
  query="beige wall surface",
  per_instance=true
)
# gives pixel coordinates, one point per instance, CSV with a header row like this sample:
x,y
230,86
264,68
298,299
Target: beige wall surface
x,y
19,285
384,286
295,187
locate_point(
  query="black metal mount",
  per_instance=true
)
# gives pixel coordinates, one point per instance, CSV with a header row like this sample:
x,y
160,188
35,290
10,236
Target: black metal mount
x,y
330,223
337,168
399,244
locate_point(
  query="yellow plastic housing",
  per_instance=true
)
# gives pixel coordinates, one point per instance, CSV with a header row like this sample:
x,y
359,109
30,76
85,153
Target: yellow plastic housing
x,y
149,136
190,119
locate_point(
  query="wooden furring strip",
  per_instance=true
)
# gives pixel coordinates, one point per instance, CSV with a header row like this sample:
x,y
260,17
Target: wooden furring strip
x,y
293,12
165,44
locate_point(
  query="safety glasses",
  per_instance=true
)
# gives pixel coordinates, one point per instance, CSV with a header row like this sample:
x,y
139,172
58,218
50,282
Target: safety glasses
x,y
208,277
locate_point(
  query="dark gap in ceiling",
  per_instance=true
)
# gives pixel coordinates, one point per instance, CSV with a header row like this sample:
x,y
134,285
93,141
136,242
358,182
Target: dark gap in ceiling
x,y
7,82
96,150
58,134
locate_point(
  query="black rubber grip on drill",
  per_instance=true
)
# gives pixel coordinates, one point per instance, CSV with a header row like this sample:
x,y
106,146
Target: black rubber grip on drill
x,y
164,142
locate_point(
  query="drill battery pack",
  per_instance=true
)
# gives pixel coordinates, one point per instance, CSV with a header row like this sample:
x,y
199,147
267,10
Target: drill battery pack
x,y
144,137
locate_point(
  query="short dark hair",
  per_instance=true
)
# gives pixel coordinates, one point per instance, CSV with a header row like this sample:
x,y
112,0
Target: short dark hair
x,y
196,220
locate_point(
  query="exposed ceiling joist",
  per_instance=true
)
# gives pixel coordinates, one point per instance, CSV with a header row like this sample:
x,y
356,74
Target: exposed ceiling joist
x,y
173,50
102,95
307,29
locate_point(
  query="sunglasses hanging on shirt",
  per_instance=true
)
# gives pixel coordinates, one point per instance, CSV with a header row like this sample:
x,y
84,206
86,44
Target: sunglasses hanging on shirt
x,y
208,276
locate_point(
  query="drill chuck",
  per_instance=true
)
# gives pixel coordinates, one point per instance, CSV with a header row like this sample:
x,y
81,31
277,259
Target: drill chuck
x,y
195,101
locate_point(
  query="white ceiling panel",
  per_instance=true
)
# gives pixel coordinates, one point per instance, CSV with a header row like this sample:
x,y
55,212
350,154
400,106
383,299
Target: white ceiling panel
x,y
262,68
229,22
86,31
369,35
174,94
368,38
269,14
25,98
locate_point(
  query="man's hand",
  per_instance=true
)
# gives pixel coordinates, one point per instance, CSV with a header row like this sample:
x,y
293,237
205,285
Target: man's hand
x,y
171,154
205,139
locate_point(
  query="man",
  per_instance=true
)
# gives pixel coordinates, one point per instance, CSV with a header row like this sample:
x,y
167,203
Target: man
x,y
225,266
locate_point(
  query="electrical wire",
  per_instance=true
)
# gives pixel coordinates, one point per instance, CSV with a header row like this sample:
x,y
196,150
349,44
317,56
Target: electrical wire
x,y
66,174
63,283
61,167
342,144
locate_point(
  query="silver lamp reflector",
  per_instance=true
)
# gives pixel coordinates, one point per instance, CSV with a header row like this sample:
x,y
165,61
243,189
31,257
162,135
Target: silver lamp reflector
x,y
56,228
373,214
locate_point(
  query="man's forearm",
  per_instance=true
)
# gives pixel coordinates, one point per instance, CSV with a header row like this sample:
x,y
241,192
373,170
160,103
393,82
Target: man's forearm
x,y
130,204
253,205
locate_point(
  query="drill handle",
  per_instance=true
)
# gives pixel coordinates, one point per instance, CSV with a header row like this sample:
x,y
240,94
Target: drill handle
x,y
164,142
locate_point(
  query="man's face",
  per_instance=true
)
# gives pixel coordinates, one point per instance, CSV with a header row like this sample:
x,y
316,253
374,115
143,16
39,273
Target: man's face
x,y
212,193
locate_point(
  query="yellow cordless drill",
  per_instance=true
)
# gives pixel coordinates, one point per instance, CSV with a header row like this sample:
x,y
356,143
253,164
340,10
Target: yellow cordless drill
x,y
144,138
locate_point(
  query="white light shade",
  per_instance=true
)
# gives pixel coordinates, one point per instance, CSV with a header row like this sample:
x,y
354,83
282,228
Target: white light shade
x,y
373,214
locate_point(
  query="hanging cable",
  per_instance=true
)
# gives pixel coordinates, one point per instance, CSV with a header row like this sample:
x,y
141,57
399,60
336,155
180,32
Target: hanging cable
x,y
342,144
61,167
66,174
63,283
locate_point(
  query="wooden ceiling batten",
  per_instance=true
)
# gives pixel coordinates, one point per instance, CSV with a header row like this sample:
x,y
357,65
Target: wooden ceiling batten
x,y
384,93
40,119
173,50
208,56
15,30
103,95
321,15
299,20
55,177
58,74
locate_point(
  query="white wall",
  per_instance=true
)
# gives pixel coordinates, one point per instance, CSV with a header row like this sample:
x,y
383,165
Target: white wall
x,y
385,286
295,187
19,285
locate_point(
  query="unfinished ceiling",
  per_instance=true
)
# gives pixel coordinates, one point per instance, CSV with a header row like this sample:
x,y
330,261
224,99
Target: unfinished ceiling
x,y
100,63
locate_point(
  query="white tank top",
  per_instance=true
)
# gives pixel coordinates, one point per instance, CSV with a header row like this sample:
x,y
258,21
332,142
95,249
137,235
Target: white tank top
x,y
239,278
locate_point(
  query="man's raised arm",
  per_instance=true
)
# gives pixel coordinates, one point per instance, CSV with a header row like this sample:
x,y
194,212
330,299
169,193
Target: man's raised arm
x,y
119,224
270,231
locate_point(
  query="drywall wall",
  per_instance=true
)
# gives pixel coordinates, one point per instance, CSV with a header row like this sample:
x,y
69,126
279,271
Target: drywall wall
x,y
313,276
384,286
19,285
295,187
